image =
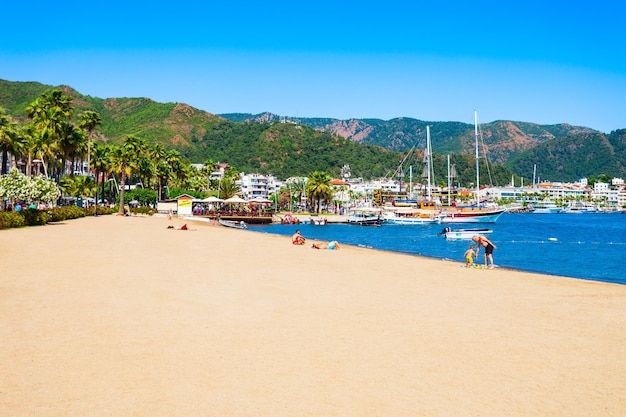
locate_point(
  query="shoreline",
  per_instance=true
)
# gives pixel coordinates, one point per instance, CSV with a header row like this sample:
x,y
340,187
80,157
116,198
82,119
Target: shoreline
x,y
512,243
121,316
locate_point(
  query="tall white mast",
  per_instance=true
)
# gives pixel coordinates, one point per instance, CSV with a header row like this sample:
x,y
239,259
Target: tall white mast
x,y
410,181
428,152
448,179
477,172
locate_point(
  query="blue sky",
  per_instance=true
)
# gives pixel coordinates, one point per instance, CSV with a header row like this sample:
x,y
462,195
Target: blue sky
x,y
531,61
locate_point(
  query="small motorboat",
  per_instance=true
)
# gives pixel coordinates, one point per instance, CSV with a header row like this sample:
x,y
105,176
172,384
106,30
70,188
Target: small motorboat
x,y
233,224
463,234
365,217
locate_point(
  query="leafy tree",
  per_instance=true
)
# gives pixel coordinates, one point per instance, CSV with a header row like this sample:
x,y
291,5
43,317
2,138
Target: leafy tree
x,y
101,163
125,160
89,121
298,188
228,188
319,188
70,144
50,116
145,196
160,168
11,142
78,185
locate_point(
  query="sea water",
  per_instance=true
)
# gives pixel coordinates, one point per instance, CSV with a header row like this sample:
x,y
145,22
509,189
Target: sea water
x,y
587,246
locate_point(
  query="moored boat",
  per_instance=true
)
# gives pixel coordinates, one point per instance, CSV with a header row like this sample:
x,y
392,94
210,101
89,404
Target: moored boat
x,y
472,214
546,207
365,217
411,216
463,234
479,212
580,208
235,225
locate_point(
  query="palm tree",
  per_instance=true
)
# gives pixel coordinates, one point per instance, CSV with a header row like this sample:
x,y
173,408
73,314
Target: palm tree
x,y
163,173
318,188
120,159
11,142
298,189
208,168
175,161
60,101
26,132
101,163
50,115
228,188
77,185
160,168
88,122
71,143
125,160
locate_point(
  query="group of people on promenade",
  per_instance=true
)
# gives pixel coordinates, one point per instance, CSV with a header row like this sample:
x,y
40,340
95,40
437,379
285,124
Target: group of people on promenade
x,y
298,239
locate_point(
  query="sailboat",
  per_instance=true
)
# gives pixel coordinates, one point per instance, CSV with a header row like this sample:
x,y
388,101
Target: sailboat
x,y
421,212
475,213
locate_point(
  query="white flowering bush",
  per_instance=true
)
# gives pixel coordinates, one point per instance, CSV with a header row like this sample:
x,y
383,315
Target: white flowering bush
x,y
17,186
45,190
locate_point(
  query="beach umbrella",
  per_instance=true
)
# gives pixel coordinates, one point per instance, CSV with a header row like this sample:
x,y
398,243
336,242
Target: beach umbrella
x,y
213,199
235,200
260,200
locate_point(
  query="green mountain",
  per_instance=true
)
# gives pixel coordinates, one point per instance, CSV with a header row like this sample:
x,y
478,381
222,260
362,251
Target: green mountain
x,y
281,149
269,144
562,152
575,156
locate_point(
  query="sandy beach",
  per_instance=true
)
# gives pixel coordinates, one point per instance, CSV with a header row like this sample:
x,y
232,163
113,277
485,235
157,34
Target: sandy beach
x,y
120,316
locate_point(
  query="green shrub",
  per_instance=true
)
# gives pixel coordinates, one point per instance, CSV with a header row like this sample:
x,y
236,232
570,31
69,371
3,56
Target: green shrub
x,y
34,217
101,210
58,214
143,210
10,219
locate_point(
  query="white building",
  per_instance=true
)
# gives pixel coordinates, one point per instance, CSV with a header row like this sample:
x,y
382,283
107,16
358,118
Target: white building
x,y
367,188
515,193
257,185
600,187
621,197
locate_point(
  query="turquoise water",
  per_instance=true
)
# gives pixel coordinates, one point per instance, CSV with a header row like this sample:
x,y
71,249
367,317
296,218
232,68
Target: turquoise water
x,y
587,246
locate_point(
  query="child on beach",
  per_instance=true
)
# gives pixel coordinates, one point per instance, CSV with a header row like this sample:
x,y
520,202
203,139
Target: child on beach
x,y
469,260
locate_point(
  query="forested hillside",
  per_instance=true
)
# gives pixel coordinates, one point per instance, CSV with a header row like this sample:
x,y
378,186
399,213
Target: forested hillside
x,y
281,149
372,147
556,149
575,156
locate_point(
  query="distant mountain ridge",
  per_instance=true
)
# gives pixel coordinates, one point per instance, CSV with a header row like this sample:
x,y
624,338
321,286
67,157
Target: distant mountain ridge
x,y
562,151
260,143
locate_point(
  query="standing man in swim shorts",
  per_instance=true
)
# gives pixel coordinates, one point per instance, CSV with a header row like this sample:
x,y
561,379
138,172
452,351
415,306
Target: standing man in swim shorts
x,y
489,247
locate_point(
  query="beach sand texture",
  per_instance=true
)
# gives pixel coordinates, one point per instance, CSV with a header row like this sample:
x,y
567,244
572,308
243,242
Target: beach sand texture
x,y
119,316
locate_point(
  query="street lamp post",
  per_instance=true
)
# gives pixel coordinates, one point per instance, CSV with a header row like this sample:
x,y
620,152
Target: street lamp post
x,y
95,207
38,162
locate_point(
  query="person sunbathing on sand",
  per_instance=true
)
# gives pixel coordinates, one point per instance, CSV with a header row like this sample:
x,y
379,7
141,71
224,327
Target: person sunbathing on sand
x,y
332,245
183,227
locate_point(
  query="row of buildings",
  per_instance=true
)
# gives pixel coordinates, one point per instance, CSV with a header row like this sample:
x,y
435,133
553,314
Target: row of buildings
x,y
609,195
